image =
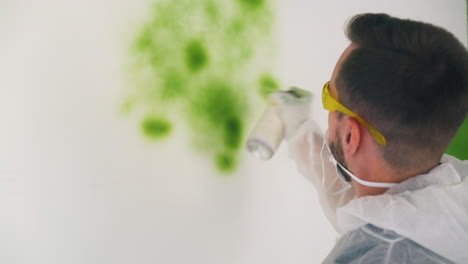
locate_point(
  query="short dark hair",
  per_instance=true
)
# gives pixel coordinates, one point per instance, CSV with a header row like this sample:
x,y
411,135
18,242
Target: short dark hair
x,y
409,79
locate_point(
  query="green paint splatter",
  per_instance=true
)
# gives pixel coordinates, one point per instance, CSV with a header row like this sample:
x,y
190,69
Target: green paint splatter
x,y
212,11
225,162
233,132
216,101
267,85
199,61
144,42
175,85
156,128
253,3
196,56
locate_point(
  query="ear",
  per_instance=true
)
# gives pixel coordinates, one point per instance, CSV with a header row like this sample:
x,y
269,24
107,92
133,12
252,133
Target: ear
x,y
351,137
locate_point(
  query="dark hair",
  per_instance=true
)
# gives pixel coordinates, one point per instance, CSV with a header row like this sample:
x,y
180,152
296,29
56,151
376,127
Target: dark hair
x,y
409,79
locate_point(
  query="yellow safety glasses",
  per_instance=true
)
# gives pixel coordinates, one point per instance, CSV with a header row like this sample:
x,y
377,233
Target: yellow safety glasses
x,y
332,105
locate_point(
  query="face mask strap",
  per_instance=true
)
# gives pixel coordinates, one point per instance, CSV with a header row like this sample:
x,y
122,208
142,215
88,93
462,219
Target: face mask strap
x,y
348,185
363,182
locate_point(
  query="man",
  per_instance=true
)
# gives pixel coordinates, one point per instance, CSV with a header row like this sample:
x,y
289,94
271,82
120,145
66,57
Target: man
x,y
397,97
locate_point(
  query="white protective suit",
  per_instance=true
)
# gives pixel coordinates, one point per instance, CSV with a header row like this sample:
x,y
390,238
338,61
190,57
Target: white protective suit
x,y
421,220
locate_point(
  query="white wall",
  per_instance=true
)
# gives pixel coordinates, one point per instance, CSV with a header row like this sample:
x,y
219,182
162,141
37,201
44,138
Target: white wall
x,y
78,183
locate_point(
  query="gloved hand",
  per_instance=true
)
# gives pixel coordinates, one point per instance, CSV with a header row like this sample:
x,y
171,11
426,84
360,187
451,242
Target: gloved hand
x,y
293,108
286,111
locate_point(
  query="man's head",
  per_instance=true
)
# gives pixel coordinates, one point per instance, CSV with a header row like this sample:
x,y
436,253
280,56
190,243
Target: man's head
x,y
407,79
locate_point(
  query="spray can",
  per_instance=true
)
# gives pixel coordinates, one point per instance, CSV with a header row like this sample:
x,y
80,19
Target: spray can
x,y
270,129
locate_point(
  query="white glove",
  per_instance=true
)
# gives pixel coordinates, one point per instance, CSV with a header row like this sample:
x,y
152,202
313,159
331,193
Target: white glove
x,y
293,108
286,112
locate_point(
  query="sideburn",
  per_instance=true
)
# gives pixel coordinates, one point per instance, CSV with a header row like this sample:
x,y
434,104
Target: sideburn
x,y
337,152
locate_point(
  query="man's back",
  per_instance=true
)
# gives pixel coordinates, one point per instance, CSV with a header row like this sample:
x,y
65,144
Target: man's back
x,y
421,220
371,244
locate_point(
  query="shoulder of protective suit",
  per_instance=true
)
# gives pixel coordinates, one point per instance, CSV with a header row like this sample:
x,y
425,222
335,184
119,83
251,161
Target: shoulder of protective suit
x,y
371,244
461,166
